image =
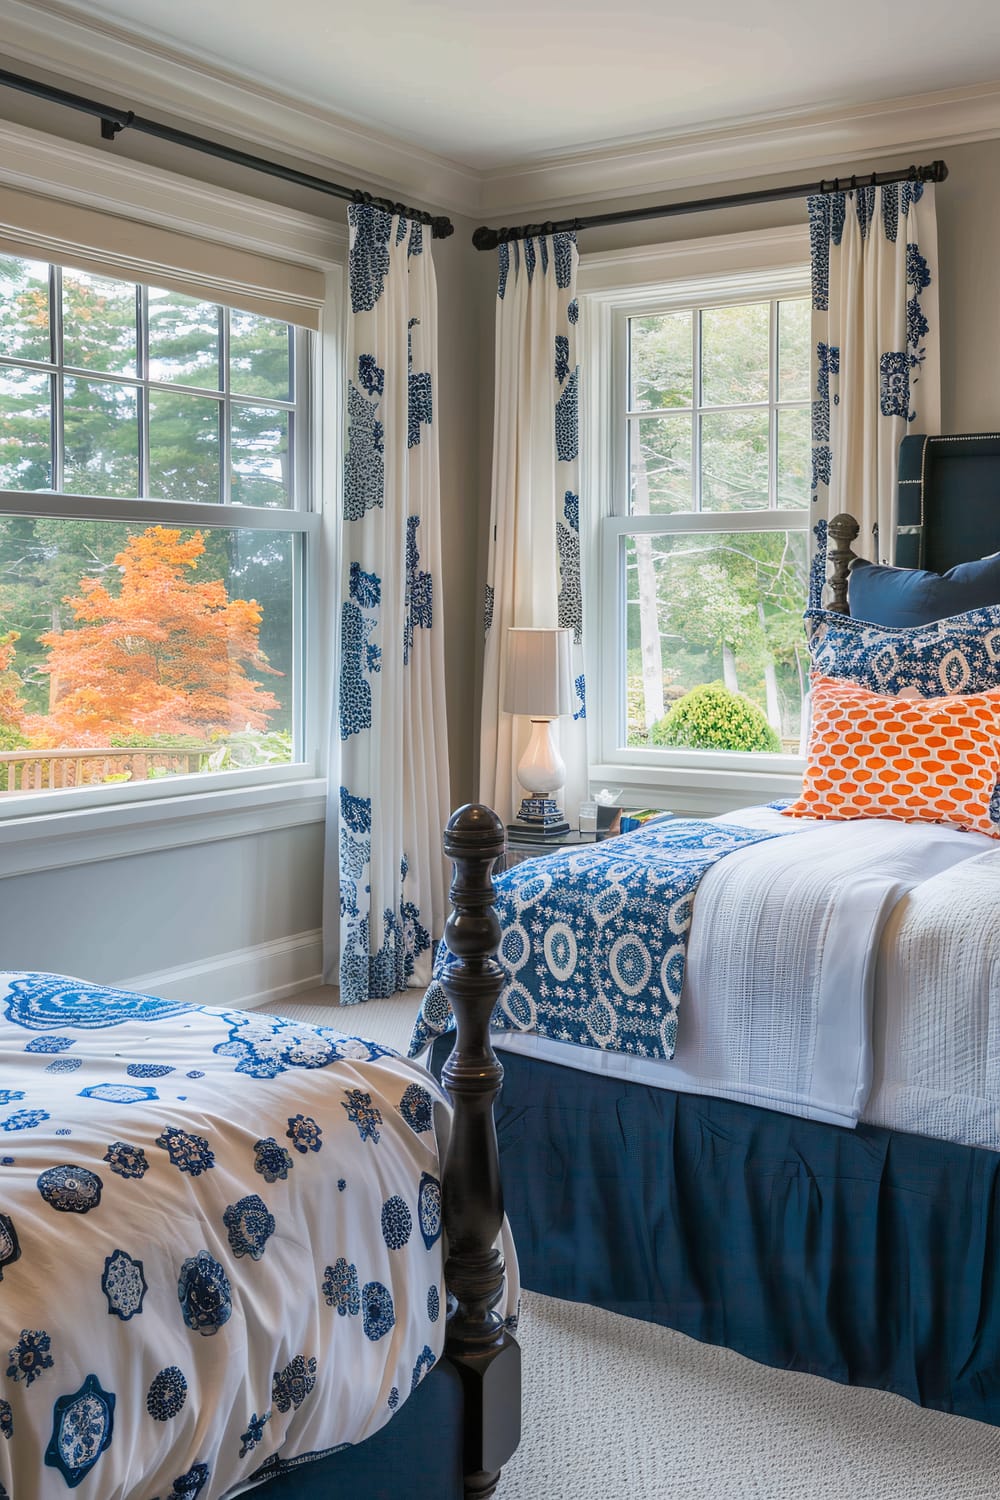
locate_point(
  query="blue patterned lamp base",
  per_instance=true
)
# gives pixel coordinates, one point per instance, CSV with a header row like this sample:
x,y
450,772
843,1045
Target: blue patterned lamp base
x,y
541,817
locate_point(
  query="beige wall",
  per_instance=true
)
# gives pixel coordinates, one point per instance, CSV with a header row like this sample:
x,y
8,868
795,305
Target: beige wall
x,y
459,336
968,204
125,917
78,919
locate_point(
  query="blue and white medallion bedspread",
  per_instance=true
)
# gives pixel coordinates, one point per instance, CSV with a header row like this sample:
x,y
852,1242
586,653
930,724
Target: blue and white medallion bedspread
x,y
220,1242
595,939
792,943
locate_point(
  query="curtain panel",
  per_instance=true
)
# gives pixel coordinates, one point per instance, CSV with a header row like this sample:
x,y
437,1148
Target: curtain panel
x,y
876,355
390,732
533,575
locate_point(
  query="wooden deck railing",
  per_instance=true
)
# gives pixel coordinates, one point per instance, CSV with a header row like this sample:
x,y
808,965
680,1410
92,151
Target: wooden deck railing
x,y
52,770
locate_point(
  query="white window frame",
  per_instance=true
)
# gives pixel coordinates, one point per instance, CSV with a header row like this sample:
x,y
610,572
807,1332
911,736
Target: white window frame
x,y
721,271
52,830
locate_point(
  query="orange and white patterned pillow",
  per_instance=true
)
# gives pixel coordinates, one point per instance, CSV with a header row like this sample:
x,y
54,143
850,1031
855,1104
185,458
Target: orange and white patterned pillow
x,y
931,760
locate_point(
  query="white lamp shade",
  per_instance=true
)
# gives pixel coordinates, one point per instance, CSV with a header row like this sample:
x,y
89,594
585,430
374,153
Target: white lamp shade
x,y
539,681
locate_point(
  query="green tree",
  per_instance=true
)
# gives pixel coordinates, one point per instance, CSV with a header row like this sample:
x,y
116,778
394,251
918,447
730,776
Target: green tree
x,y
711,717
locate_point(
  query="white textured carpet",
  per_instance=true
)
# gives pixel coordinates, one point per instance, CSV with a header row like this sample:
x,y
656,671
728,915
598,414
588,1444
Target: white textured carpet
x,y
615,1408
387,1021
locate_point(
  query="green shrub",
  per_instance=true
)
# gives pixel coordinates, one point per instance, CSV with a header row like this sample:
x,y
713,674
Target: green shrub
x,y
713,717
11,739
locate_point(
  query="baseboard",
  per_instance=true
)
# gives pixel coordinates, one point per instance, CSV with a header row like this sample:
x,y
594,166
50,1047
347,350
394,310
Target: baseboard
x,y
244,978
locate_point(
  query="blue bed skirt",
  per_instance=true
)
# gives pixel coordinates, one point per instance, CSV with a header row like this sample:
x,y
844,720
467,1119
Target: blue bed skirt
x,y
416,1456
866,1256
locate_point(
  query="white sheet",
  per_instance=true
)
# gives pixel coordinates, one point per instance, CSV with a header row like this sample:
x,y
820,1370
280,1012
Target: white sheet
x,y
782,980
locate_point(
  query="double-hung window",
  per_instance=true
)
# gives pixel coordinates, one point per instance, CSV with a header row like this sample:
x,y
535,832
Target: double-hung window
x,y
155,514
702,475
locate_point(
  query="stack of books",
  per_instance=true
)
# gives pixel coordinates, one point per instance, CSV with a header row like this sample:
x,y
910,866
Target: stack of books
x,y
638,818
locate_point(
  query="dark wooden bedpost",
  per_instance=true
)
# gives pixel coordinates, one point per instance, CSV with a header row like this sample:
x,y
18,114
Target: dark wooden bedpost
x,y
481,1348
841,532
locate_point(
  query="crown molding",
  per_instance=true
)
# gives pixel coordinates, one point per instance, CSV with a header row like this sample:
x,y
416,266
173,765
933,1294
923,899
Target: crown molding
x,y
96,55
760,146
36,162
153,78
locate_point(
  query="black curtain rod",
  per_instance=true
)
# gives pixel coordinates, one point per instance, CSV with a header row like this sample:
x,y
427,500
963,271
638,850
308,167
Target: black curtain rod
x,y
489,239
114,120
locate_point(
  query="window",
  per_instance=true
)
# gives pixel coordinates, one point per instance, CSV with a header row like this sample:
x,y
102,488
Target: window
x,y
154,514
704,536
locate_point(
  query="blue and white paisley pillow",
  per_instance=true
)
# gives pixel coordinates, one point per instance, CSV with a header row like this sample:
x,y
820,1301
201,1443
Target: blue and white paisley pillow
x,y
960,654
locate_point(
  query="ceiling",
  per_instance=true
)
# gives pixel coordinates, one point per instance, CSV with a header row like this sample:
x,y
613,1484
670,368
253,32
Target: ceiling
x,y
491,85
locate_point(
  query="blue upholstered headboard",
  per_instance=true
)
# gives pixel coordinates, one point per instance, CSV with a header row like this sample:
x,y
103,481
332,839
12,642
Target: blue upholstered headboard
x,y
949,500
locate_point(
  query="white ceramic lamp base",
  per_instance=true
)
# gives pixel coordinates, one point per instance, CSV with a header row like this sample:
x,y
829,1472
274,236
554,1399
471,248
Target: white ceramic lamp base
x,y
541,771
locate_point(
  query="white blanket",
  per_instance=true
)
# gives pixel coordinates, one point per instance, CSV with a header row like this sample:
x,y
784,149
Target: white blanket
x,y
220,1242
936,1030
781,968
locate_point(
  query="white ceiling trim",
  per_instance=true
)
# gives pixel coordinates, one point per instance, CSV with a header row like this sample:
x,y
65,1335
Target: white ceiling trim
x,y
927,123
151,78
41,163
95,55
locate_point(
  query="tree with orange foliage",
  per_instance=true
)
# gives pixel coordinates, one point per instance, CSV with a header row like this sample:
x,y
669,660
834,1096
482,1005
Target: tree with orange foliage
x,y
11,704
165,655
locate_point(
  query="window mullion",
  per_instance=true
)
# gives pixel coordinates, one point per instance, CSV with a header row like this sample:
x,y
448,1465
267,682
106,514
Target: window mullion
x,y
225,411
57,394
142,355
772,415
696,389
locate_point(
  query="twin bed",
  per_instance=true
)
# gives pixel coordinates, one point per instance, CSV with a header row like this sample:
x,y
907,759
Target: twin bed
x,y
234,1249
752,1091
842,974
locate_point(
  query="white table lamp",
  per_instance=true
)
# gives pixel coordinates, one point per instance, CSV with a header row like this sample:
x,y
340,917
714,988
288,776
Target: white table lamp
x,y
539,688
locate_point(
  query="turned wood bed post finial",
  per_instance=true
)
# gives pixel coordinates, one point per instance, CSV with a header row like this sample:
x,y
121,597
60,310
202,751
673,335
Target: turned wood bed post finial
x,y
484,1352
841,532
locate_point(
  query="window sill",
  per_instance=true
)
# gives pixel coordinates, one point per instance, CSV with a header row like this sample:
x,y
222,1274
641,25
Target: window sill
x,y
82,835
697,791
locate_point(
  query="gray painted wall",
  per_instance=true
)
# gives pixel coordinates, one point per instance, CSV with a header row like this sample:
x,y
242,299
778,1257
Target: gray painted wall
x,y
122,918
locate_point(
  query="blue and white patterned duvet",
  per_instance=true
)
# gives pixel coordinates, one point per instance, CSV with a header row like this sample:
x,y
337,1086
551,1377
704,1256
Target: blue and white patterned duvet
x,y
220,1242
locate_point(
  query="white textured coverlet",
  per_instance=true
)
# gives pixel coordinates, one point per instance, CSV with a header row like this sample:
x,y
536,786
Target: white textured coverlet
x,y
221,1242
936,1032
781,968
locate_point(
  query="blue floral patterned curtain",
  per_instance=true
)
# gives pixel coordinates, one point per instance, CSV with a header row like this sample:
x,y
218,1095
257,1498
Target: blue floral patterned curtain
x,y
384,829
533,575
876,363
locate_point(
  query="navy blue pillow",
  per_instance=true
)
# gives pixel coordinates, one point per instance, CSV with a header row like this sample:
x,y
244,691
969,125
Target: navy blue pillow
x,y
912,596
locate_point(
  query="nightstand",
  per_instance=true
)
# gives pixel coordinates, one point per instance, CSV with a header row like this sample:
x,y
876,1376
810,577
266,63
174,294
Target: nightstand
x,y
525,847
